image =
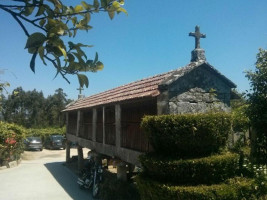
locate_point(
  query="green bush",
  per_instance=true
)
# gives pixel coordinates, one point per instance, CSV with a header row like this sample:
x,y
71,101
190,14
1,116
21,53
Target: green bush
x,y
44,132
240,119
188,135
206,170
11,141
234,189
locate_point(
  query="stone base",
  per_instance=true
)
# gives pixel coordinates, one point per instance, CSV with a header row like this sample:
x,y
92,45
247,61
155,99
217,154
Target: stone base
x,y
198,55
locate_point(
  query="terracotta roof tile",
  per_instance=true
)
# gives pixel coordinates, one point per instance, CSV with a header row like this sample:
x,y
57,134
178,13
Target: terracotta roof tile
x,y
147,87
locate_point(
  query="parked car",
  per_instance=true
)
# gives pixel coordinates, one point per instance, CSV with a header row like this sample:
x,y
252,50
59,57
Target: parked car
x,y
33,143
55,142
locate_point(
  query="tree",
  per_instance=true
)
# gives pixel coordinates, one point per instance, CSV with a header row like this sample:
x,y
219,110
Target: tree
x,y
257,109
32,110
55,21
54,105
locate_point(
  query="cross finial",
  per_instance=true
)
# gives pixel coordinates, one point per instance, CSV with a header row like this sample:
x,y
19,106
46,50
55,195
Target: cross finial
x,y
197,36
80,90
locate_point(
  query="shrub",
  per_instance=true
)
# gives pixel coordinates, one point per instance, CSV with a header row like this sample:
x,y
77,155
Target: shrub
x,y
206,170
234,189
188,135
11,141
44,132
240,119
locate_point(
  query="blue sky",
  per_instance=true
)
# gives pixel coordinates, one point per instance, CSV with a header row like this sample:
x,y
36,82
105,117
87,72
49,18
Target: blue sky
x,y
152,39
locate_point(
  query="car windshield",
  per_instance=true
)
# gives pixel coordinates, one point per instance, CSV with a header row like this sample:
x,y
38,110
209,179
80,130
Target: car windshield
x,y
57,137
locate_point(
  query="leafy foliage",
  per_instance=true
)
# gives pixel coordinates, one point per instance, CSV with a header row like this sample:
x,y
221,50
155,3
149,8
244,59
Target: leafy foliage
x,y
54,21
11,141
239,107
44,132
173,134
206,170
31,109
234,189
257,109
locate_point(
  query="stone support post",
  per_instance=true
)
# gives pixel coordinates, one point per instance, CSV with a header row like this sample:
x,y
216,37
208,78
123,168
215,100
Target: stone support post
x,y
122,171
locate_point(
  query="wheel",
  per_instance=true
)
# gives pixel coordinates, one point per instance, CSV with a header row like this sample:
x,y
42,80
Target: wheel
x,y
95,189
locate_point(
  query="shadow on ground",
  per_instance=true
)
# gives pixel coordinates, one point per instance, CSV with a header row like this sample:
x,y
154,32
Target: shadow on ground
x,y
68,180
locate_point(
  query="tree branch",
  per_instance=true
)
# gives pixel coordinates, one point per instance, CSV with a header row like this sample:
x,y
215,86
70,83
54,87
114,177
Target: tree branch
x,y
16,18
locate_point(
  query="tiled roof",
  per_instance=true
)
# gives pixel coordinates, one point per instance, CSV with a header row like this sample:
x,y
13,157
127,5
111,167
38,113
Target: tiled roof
x,y
147,87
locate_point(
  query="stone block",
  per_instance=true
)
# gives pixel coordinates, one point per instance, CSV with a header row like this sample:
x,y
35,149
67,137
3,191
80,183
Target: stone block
x,y
3,167
12,164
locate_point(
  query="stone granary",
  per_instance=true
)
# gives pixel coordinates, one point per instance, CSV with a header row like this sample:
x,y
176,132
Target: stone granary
x,y
109,122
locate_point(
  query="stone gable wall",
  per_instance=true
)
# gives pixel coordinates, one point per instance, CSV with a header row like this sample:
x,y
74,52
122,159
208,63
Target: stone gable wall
x,y
197,92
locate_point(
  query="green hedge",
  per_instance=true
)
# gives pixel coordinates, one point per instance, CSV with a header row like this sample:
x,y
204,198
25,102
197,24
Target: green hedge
x,y
206,170
234,189
188,135
44,132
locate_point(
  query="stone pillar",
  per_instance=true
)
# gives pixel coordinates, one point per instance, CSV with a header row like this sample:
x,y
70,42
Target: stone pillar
x,y
94,125
163,103
80,157
68,151
118,125
198,55
122,171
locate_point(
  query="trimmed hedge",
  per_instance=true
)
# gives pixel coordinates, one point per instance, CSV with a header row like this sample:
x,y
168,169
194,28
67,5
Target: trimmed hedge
x,y
234,189
188,135
44,132
206,170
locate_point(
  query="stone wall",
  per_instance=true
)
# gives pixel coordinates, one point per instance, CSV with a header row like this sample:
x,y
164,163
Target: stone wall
x,y
199,91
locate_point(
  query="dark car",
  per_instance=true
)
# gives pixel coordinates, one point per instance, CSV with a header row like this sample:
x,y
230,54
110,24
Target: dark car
x,y
55,142
33,143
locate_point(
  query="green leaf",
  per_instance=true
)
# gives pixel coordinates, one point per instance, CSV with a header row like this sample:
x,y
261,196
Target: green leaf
x,y
71,58
28,10
35,40
111,14
96,58
86,5
83,80
32,63
99,66
116,4
63,51
122,10
41,54
42,22
74,20
96,4
41,11
78,8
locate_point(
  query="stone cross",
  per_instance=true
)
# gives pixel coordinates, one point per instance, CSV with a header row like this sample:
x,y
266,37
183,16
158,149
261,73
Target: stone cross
x,y
197,36
80,90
